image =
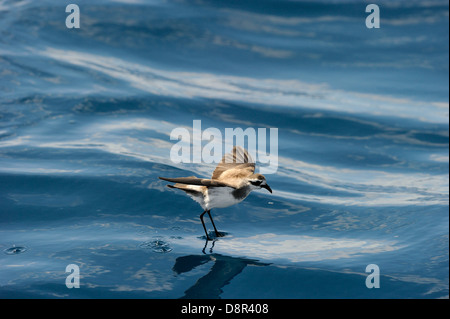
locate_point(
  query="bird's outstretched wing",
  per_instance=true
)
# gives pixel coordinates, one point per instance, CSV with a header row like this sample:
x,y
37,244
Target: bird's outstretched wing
x,y
192,180
235,165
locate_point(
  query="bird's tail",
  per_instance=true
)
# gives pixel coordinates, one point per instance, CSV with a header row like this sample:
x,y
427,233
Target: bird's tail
x,y
183,180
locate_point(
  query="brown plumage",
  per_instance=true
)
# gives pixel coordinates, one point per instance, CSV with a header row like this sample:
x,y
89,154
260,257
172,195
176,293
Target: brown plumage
x,y
231,182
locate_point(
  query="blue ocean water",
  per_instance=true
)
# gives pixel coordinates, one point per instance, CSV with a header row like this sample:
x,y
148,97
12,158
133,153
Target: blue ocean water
x,y
363,141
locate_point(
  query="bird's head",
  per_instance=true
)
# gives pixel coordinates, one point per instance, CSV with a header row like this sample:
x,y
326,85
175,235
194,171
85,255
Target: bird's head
x,y
257,181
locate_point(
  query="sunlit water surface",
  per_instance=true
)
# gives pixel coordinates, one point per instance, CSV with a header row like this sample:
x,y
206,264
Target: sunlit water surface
x,y
85,122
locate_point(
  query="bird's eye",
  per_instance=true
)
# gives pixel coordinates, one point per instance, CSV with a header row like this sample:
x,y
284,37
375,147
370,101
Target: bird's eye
x,y
256,183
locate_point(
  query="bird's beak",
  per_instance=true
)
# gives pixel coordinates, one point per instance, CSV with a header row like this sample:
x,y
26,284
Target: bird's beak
x,y
267,187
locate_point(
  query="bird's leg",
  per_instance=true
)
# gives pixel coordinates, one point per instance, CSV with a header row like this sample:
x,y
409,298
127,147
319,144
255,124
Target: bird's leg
x,y
206,244
215,229
204,227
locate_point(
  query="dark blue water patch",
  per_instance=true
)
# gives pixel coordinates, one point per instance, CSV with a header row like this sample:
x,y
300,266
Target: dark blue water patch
x,y
156,106
331,124
355,158
304,187
15,65
193,33
289,8
341,221
59,155
307,283
81,160
6,134
137,28
433,138
20,115
41,197
304,121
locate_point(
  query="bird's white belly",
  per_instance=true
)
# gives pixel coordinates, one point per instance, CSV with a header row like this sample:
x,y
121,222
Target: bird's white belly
x,y
219,197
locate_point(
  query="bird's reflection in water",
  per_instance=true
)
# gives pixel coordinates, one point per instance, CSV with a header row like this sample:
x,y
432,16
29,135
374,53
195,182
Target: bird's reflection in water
x,y
210,286
210,249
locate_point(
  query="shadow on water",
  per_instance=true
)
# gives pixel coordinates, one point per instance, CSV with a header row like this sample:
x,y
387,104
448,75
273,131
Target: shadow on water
x,y
224,269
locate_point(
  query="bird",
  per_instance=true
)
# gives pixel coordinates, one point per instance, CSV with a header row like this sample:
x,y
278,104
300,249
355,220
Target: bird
x,y
232,181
